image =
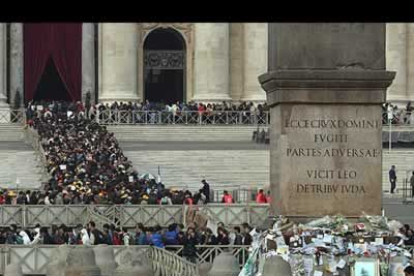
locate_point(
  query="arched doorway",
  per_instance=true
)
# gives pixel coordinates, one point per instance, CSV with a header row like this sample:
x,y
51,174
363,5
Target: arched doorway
x,y
164,66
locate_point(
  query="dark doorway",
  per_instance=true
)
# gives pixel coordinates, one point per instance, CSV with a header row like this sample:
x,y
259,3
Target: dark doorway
x,y
51,87
164,66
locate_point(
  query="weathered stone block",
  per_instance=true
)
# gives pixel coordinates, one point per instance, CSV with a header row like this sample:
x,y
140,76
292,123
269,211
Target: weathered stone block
x,y
105,259
225,264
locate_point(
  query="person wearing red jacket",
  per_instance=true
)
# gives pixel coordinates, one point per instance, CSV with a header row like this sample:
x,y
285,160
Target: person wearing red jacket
x,y
227,198
261,197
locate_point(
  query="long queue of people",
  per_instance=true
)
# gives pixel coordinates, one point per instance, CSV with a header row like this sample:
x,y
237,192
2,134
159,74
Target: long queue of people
x,y
171,197
173,235
160,113
87,165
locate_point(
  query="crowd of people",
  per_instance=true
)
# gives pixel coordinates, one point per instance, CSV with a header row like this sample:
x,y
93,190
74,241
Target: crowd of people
x,y
400,116
261,137
173,235
87,164
135,113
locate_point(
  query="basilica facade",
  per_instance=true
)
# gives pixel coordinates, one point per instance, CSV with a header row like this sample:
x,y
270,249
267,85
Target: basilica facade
x,y
203,62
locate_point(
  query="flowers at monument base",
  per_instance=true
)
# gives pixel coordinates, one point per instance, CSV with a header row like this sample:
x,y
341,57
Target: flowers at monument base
x,y
333,244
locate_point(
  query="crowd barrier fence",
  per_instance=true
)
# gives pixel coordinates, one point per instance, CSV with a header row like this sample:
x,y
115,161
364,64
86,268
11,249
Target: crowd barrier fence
x,y
128,216
128,117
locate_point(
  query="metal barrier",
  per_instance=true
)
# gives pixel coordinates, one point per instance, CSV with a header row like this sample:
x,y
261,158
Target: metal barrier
x,y
407,192
166,263
128,215
125,117
31,137
34,259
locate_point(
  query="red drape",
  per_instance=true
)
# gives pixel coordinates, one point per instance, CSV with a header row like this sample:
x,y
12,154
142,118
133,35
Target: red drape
x,y
63,43
37,42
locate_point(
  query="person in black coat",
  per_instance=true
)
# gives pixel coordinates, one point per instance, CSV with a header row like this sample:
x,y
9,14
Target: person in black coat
x,y
208,238
238,240
223,236
191,241
205,190
393,178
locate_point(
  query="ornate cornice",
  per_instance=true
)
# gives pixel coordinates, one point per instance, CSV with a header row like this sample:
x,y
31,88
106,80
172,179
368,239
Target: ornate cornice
x,y
184,28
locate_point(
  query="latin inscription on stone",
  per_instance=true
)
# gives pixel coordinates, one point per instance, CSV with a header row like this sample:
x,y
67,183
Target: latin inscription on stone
x,y
331,155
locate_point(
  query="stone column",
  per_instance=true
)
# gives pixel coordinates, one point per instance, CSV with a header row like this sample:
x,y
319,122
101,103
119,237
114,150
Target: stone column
x,y
409,59
3,65
118,62
255,61
4,107
88,60
236,61
212,62
396,60
325,87
17,61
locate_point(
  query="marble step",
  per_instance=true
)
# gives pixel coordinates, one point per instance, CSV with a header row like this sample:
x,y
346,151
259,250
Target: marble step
x,y
230,168
20,168
182,133
11,132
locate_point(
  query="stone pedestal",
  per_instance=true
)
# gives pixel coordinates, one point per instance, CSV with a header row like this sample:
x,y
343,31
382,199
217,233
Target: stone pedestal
x,y
105,259
13,269
81,262
204,268
134,262
57,263
275,265
225,264
325,86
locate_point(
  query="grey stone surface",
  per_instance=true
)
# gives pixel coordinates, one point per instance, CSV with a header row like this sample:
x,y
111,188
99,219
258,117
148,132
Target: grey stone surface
x,y
275,265
57,263
81,262
13,269
105,259
325,86
326,45
204,268
134,262
88,60
17,61
225,264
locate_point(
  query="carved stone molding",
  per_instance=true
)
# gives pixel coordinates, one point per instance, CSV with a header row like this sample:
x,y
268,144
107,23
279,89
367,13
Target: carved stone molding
x,y
184,28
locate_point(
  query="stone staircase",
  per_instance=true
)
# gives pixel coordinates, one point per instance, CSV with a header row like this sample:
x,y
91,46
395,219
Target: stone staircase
x,y
403,159
221,167
11,132
233,168
19,169
186,168
20,166
142,133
